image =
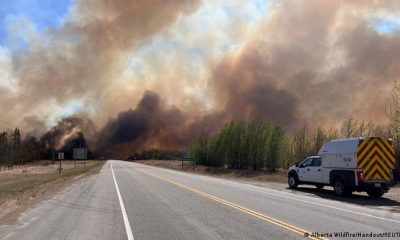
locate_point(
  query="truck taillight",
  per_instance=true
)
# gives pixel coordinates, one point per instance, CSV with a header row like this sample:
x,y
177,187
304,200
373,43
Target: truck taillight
x,y
360,176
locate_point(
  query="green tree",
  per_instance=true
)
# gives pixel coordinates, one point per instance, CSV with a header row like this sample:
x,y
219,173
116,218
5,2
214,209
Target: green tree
x,y
275,144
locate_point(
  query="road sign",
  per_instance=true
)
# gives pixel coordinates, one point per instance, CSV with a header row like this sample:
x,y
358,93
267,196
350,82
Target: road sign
x,y
80,153
60,155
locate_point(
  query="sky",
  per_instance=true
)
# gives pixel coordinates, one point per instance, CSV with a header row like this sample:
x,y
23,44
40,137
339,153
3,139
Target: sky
x,y
204,62
386,25
43,14
40,16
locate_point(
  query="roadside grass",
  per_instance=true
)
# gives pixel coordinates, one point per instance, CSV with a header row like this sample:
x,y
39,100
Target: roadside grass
x,y
278,176
18,191
14,186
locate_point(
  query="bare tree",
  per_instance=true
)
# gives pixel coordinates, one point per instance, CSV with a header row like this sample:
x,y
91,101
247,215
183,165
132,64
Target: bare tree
x,y
349,128
394,114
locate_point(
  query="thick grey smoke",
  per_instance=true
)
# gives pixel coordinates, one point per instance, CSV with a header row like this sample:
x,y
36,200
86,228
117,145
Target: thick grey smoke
x,y
150,124
80,60
315,62
69,131
246,89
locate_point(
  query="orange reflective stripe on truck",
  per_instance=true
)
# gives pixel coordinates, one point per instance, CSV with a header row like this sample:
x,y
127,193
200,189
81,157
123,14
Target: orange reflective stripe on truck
x,y
375,156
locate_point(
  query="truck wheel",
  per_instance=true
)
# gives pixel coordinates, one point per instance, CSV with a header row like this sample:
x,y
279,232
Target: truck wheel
x,y
292,181
340,188
319,187
375,193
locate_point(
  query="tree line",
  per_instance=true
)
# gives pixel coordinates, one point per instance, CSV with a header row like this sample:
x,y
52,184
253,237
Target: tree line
x,y
16,150
256,144
262,144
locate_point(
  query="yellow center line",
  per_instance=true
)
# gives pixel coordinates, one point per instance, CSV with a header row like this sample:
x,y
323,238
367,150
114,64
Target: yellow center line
x,y
238,207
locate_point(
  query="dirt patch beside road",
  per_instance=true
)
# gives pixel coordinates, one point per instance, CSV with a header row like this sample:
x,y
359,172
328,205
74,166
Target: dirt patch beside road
x,y
22,188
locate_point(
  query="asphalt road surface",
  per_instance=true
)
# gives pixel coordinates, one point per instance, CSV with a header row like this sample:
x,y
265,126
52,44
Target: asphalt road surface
x,y
132,201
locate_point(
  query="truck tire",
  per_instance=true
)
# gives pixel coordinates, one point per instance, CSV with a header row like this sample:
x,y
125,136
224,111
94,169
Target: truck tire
x,y
293,181
340,188
375,193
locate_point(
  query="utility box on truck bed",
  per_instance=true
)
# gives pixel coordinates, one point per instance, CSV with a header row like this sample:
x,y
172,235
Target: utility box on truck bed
x,y
353,164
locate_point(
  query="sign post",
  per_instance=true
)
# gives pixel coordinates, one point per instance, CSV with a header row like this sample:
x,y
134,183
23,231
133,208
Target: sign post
x,y
60,157
190,160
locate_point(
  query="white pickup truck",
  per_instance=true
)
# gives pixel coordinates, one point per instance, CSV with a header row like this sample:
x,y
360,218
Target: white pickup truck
x,y
348,165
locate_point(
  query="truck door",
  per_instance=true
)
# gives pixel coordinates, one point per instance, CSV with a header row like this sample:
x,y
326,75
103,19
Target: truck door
x,y
304,169
316,170
311,172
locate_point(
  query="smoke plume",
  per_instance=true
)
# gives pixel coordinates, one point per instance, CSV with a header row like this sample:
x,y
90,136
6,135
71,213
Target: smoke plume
x,y
157,73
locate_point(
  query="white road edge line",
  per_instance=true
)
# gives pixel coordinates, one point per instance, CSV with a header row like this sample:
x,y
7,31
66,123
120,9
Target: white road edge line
x,y
121,203
211,179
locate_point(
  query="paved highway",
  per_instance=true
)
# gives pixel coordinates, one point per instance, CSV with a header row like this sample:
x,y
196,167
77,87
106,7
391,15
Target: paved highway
x,y
133,201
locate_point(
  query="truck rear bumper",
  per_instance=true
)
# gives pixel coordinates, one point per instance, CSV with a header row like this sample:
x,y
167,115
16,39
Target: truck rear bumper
x,y
368,186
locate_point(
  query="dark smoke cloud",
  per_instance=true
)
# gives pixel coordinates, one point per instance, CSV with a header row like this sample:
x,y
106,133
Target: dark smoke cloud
x,y
76,140
69,132
150,124
130,124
